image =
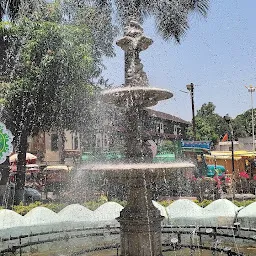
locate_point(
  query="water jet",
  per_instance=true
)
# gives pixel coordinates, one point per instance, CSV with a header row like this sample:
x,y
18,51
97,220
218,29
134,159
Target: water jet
x,y
140,221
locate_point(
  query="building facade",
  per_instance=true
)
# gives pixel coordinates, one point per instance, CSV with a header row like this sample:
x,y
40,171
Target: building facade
x,y
157,126
46,147
109,136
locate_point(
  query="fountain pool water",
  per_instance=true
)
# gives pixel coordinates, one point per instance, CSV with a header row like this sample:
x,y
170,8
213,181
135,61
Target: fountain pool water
x,y
140,221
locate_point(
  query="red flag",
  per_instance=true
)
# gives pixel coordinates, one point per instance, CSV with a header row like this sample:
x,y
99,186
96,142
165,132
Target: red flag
x,y
225,138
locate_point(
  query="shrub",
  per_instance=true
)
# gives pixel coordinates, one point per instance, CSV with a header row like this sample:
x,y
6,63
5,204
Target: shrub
x,y
24,209
204,203
166,203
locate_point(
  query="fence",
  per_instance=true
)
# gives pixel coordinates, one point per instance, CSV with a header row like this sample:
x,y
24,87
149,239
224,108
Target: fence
x,y
215,239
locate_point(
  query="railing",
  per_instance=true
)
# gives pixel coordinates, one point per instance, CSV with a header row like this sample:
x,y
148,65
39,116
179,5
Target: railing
x,y
174,238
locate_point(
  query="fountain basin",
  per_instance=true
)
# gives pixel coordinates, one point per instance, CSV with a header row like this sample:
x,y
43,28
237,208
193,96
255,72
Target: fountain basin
x,y
133,170
135,96
128,167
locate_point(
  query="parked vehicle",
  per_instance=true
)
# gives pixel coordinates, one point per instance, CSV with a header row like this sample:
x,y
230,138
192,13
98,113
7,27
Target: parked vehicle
x,y
31,195
212,170
34,177
55,178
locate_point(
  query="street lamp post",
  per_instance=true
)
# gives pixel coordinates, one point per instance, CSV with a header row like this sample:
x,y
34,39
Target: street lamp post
x,y
190,88
228,120
251,89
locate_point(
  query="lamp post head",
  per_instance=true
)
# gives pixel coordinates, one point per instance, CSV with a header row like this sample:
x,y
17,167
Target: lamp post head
x,y
250,88
190,86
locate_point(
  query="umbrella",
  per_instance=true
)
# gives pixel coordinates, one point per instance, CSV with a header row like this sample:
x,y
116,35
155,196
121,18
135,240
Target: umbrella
x,y
29,156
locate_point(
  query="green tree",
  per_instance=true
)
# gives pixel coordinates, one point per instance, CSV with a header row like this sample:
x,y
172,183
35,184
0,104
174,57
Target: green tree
x,y
52,65
209,125
2,42
242,124
10,9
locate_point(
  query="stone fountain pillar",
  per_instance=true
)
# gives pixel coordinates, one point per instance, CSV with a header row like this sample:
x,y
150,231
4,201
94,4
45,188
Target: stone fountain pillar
x,y
140,221
133,42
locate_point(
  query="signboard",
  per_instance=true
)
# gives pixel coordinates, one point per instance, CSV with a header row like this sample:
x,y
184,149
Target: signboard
x,y
6,138
196,144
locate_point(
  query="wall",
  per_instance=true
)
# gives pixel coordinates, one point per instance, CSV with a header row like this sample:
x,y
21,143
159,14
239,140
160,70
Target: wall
x,y
226,146
52,157
221,212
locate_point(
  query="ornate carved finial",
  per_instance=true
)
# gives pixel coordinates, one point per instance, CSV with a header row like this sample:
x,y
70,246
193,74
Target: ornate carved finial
x,y
133,42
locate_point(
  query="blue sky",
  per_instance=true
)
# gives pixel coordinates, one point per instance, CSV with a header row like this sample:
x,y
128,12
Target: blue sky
x,y
218,54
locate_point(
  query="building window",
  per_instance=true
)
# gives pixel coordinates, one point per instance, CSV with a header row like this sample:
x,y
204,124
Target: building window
x,y
161,128
75,142
176,130
54,142
105,142
98,140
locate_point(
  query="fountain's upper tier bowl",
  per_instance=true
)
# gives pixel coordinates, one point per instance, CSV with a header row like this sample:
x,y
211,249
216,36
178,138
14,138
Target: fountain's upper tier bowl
x,y
135,96
154,170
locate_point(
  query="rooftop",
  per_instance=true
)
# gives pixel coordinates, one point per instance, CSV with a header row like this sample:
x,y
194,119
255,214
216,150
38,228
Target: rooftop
x,y
166,116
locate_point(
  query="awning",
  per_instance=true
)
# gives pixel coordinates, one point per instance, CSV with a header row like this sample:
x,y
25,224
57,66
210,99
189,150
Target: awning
x,y
29,156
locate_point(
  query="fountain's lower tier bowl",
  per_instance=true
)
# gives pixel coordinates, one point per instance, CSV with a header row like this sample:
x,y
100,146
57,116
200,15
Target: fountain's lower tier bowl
x,y
135,96
150,170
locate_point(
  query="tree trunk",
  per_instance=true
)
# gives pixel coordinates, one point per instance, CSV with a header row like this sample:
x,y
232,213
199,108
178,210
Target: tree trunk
x,y
2,49
21,167
61,146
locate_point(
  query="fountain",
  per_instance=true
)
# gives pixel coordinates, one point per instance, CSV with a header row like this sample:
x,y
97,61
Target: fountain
x,y
140,221
216,228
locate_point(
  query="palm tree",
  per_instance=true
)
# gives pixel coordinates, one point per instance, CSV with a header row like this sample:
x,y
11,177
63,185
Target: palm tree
x,y
171,16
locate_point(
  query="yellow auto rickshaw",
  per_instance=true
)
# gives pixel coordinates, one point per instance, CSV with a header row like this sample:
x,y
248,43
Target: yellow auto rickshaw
x,y
56,178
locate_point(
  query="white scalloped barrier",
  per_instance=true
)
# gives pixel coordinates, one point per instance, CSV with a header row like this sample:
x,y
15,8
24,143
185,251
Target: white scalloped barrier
x,y
76,213
247,216
221,212
184,212
181,212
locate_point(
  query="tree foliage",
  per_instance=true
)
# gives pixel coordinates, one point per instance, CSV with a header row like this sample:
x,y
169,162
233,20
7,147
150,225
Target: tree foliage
x,y
47,62
52,66
11,10
209,125
171,17
243,124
